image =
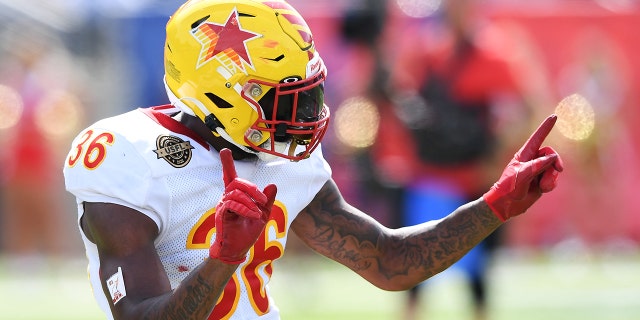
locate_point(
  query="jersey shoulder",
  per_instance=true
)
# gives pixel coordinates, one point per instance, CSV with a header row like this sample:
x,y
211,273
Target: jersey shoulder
x,y
117,158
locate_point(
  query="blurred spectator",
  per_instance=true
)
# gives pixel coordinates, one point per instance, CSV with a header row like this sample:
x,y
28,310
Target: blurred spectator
x,y
453,103
39,111
358,82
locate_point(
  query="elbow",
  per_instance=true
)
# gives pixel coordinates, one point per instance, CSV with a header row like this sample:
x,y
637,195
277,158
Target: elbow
x,y
402,281
397,287
397,284
400,266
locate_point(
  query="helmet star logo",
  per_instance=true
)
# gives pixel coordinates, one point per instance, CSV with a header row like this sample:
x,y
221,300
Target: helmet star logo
x,y
228,38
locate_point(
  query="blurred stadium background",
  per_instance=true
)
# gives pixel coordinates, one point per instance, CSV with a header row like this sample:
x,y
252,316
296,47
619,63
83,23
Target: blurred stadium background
x,y
67,63
551,286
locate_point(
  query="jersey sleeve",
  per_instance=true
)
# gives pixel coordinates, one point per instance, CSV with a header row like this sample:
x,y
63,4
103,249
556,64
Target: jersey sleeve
x,y
312,176
322,171
104,166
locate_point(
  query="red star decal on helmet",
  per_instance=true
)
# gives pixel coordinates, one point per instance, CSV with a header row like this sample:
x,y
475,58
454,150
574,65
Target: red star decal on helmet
x,y
228,38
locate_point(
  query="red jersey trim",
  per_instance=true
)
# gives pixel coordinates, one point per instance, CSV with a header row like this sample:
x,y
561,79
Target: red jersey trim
x,y
156,114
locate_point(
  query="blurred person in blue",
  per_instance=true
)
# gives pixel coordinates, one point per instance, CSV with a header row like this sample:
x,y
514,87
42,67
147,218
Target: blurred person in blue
x,y
184,207
449,92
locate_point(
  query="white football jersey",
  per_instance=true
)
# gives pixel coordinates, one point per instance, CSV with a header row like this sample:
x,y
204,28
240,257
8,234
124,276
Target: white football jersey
x,y
145,160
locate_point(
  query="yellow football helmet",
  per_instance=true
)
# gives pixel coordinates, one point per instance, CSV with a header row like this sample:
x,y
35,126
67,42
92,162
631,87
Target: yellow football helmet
x,y
250,71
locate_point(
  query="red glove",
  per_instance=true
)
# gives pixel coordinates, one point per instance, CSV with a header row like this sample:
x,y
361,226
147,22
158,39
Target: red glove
x,y
531,172
241,214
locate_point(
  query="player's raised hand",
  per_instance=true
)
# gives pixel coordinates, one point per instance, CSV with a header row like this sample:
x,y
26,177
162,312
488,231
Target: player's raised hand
x,y
532,171
241,214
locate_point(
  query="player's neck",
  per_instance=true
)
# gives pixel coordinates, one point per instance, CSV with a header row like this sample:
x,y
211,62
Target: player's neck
x,y
217,142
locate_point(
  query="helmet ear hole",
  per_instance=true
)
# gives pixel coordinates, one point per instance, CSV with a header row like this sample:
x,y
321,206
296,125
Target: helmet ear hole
x,y
219,102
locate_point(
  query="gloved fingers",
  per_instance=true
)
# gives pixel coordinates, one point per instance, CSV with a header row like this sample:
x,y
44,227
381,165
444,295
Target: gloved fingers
x,y
526,172
270,192
228,168
549,180
558,165
530,148
538,165
249,188
241,204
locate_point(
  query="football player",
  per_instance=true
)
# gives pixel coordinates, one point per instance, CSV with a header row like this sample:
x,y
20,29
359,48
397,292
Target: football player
x,y
183,208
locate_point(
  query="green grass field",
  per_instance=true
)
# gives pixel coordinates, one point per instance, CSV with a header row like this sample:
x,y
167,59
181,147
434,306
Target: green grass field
x,y
542,286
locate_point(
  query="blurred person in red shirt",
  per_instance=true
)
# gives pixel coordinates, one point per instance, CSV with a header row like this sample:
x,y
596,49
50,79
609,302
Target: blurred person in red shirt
x,y
459,100
37,110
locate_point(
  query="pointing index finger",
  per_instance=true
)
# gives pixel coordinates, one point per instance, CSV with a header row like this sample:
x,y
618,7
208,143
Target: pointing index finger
x,y
228,168
530,148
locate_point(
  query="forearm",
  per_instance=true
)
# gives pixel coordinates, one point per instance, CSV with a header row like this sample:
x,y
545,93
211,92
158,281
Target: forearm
x,y
194,298
390,259
416,253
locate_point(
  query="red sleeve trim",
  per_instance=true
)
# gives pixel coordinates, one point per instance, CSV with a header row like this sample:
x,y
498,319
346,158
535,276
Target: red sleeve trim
x,y
158,115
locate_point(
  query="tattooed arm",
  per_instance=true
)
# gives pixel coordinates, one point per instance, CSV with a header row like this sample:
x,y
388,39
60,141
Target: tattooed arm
x,y
391,259
124,238
399,259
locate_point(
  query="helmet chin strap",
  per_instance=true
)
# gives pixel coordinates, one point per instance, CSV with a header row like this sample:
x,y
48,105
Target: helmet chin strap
x,y
226,136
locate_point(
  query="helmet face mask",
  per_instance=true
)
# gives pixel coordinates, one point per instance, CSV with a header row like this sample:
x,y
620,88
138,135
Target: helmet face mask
x,y
294,113
250,71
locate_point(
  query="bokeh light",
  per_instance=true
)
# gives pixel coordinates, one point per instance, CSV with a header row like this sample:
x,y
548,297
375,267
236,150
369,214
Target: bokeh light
x,y
11,107
576,118
59,114
419,8
356,122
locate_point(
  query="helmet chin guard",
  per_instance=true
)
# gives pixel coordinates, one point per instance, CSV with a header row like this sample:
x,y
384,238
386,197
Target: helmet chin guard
x,y
292,111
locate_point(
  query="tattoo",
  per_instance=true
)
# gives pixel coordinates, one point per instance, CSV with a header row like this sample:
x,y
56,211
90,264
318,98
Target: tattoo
x,y
192,300
340,234
197,297
345,234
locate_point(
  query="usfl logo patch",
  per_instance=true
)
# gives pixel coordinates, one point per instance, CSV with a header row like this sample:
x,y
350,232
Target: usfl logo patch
x,y
174,150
